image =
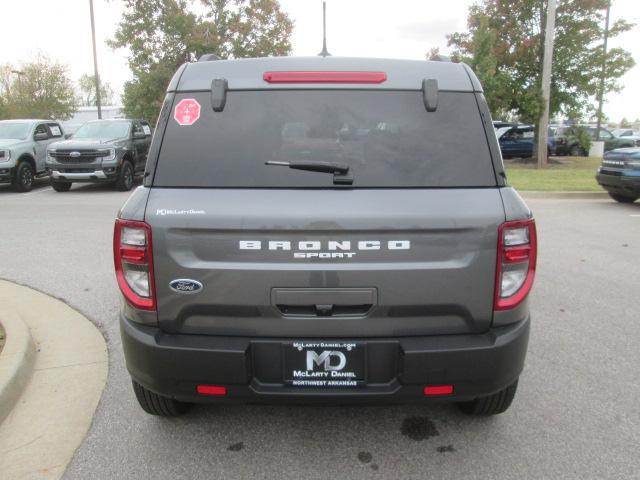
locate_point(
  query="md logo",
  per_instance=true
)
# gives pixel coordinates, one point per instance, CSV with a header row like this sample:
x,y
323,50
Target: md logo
x,y
328,360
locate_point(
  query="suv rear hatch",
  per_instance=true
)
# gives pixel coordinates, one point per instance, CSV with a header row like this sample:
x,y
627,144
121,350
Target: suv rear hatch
x,y
408,249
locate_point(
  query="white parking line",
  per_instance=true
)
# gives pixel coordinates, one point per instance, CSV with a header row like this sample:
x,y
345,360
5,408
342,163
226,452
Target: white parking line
x,y
38,191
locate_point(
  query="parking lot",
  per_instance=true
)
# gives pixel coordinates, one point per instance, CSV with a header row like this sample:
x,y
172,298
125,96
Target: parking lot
x,y
576,415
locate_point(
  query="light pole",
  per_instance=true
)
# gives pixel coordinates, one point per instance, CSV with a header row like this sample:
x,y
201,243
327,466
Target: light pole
x,y
95,61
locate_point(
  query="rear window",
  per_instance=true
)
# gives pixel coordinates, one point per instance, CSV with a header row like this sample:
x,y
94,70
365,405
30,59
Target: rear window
x,y
387,138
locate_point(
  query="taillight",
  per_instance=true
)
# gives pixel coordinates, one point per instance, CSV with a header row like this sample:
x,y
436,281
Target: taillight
x,y
516,263
134,263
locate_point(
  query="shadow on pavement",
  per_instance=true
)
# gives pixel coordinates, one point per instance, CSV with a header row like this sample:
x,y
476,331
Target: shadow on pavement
x,y
38,184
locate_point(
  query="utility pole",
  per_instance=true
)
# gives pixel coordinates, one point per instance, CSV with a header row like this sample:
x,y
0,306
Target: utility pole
x,y
547,62
603,71
95,61
19,74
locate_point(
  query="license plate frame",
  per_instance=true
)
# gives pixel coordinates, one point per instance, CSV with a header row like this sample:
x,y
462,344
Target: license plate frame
x,y
334,364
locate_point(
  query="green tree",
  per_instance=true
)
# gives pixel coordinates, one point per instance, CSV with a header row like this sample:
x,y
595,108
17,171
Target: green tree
x,y
624,123
483,59
87,91
511,34
38,89
162,34
5,90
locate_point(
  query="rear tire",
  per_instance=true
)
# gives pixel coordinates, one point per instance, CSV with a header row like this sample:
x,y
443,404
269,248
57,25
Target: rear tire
x,y
493,404
23,179
124,183
622,198
155,404
576,151
61,186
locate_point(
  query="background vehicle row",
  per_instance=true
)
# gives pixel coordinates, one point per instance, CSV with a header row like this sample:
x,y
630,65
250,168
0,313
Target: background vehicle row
x,y
111,151
517,140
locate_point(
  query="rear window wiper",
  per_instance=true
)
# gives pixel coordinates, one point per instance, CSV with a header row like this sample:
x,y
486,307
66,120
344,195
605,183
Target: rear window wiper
x,y
340,171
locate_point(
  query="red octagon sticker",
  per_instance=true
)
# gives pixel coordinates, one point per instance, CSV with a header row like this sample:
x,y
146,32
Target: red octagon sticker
x,y
187,111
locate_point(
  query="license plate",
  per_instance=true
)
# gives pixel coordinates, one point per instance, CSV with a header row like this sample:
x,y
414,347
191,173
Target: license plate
x,y
324,364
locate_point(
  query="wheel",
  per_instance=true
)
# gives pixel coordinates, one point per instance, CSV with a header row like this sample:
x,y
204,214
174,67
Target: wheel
x,y
155,404
61,186
125,177
576,151
23,179
622,198
491,405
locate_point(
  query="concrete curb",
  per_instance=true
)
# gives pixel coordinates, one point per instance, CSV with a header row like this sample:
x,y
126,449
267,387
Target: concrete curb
x,y
52,415
564,195
16,361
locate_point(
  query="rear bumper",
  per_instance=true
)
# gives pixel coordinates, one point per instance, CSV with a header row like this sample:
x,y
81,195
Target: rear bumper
x,y
620,182
252,368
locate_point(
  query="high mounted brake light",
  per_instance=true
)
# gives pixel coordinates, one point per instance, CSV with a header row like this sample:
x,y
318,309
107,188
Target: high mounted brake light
x,y
132,255
516,263
324,77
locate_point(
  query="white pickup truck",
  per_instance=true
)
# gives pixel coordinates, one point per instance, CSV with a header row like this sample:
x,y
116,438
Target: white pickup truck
x,y
23,150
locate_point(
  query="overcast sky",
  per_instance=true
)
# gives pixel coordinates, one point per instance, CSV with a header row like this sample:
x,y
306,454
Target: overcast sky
x,y
400,29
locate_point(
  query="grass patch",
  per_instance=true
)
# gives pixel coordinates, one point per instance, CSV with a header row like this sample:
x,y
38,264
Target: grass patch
x,y
564,174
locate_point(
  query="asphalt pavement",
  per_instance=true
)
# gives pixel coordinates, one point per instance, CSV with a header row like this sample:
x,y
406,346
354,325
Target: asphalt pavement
x,y
576,414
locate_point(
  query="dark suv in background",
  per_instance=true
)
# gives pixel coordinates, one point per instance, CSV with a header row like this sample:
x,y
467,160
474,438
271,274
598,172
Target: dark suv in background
x,y
317,230
619,174
517,141
100,151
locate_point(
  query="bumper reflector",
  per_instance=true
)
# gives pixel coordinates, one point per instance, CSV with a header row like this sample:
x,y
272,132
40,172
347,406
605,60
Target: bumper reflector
x,y
211,390
432,390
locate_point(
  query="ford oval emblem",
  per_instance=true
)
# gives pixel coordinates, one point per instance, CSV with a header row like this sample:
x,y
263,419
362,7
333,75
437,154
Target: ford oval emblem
x,y
74,154
185,285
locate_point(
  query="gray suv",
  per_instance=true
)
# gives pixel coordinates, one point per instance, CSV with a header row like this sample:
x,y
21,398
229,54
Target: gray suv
x,y
316,230
23,148
113,151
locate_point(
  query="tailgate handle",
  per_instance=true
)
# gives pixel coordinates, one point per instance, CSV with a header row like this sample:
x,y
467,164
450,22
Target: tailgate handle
x,y
324,310
324,302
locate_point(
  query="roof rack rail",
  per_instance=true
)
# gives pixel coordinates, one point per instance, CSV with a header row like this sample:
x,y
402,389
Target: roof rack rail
x,y
208,57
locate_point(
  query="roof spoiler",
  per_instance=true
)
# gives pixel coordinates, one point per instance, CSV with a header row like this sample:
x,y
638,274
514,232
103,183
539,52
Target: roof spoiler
x,y
430,94
219,88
